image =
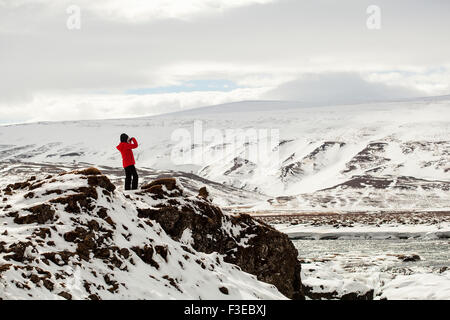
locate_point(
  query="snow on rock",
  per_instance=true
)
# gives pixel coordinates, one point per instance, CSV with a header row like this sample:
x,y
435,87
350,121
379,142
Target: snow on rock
x,y
252,245
74,236
361,276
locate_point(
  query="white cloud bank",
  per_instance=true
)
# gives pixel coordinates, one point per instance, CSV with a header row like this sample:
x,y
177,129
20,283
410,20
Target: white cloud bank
x,y
269,47
100,106
339,88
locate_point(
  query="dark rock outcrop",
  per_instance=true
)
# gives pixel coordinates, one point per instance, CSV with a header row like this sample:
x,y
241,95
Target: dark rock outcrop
x,y
310,293
253,245
203,193
409,258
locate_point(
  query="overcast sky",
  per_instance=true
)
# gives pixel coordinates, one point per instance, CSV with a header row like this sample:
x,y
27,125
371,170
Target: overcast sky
x,y
135,58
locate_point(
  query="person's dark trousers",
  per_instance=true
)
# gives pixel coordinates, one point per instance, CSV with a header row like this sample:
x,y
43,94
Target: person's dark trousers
x,y
131,178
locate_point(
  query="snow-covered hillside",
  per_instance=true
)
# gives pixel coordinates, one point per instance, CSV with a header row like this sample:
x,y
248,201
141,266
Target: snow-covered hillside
x,y
392,155
74,236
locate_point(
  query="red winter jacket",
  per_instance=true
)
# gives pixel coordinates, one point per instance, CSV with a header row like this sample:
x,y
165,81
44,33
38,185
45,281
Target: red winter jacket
x,y
127,154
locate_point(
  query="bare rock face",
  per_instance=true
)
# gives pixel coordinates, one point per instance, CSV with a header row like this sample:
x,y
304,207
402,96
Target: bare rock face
x,y
270,255
203,193
310,293
253,245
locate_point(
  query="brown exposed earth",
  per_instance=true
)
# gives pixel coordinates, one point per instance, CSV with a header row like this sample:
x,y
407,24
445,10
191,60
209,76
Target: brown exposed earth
x,y
350,218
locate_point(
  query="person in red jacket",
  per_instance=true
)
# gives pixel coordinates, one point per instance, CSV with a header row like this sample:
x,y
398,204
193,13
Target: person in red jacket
x,y
125,147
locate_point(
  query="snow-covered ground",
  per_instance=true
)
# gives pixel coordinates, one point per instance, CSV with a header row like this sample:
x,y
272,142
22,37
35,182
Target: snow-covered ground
x,y
384,255
381,266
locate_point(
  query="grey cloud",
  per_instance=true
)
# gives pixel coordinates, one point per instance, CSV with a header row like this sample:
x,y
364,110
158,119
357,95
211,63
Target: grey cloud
x,y
338,88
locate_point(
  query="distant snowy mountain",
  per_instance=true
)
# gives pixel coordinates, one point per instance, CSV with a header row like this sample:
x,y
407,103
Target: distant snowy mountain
x,y
348,157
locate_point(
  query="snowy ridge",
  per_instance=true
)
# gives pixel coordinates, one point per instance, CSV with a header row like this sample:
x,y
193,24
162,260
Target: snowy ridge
x,y
12,171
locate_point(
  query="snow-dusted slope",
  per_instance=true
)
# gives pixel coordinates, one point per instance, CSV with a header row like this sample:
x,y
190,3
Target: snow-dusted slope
x,y
73,236
319,150
13,171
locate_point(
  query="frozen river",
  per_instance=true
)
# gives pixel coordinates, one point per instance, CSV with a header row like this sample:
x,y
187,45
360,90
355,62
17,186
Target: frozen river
x,y
433,253
345,266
